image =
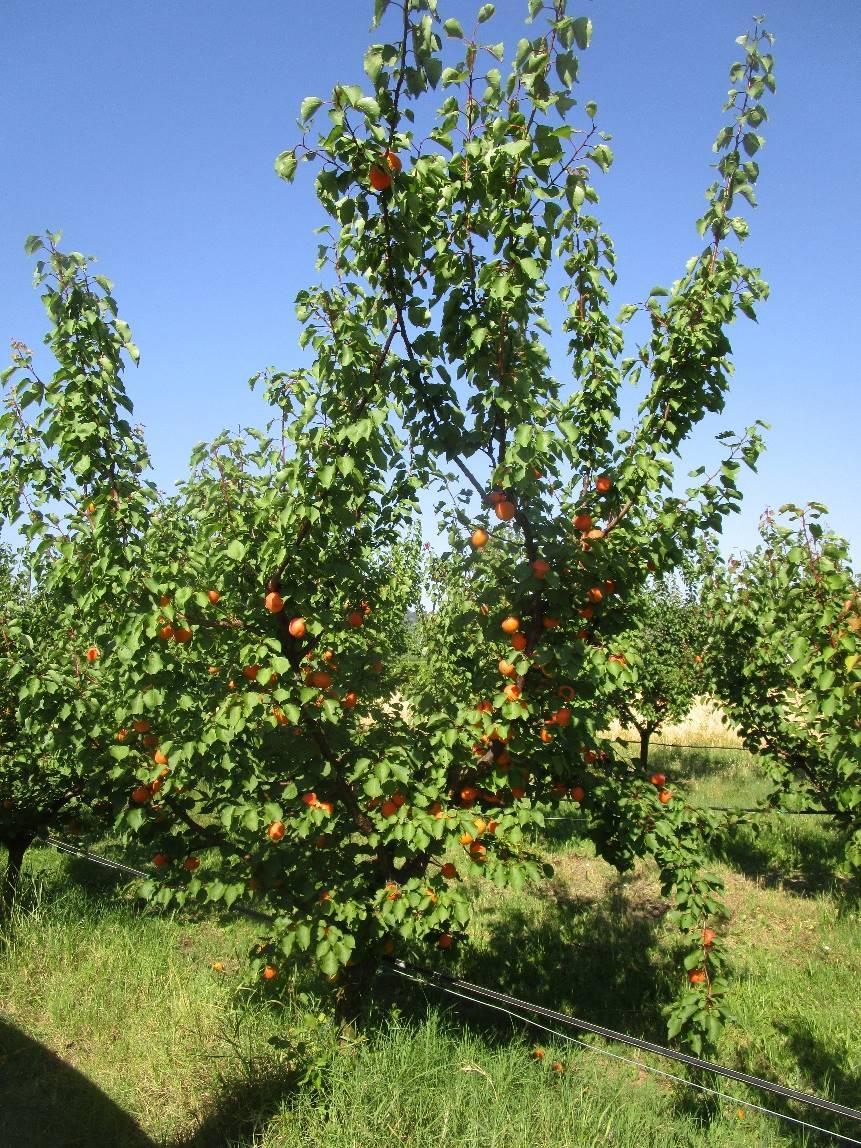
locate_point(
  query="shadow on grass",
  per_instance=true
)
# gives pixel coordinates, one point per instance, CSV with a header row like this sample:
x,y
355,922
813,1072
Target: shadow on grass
x,y
597,961
45,1101
798,854
824,1072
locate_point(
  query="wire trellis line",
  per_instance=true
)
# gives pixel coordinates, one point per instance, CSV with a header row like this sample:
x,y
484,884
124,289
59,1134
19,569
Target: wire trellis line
x,y
505,1003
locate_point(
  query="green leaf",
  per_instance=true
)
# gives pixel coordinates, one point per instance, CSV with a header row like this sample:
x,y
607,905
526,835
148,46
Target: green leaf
x,y
309,105
582,29
485,12
235,550
285,165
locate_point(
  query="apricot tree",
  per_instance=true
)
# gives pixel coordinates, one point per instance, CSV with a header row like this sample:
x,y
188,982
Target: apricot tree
x,y
663,644
787,662
244,625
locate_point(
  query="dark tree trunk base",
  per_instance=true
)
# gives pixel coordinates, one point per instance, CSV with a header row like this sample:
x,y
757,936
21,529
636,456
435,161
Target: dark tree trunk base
x,y
351,997
17,847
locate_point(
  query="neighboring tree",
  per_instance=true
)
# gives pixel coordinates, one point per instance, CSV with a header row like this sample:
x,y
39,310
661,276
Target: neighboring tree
x,y
39,787
787,662
244,625
663,645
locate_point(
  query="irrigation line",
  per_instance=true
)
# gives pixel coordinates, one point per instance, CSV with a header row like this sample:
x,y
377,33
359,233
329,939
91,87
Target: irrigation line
x,y
638,1064
489,997
444,981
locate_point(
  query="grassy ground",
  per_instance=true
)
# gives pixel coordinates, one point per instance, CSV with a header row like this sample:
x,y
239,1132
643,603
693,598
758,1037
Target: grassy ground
x,y
116,1030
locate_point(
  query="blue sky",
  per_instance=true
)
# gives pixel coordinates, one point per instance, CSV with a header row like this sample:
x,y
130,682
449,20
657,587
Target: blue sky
x,y
146,132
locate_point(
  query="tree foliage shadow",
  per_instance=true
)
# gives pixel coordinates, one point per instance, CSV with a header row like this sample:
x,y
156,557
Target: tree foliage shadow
x,y
802,857
824,1073
594,960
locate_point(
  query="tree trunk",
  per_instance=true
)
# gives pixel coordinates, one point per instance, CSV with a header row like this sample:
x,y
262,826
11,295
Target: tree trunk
x,y
645,735
16,847
351,996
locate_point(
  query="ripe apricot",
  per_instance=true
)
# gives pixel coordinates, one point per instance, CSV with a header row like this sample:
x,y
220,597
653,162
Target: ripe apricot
x,y
510,625
164,600
296,626
160,758
276,831
191,863
697,976
512,692
141,725
609,586
665,796
399,799
273,602
583,522
709,937
538,1053
448,870
495,497
160,860
468,794
540,568
619,659
92,653
595,594
182,635
165,632
562,716
546,736
506,668
519,642
380,177
309,799
466,839
577,793
477,851
505,510
388,808
480,825
518,791
269,973
141,794
251,672
445,941
603,483
595,535
121,734
393,161
586,612
658,779
355,618
557,1067
549,622
213,596
320,679
479,538
350,699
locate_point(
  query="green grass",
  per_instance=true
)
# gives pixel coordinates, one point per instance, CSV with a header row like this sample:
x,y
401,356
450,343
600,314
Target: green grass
x,y
115,1029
